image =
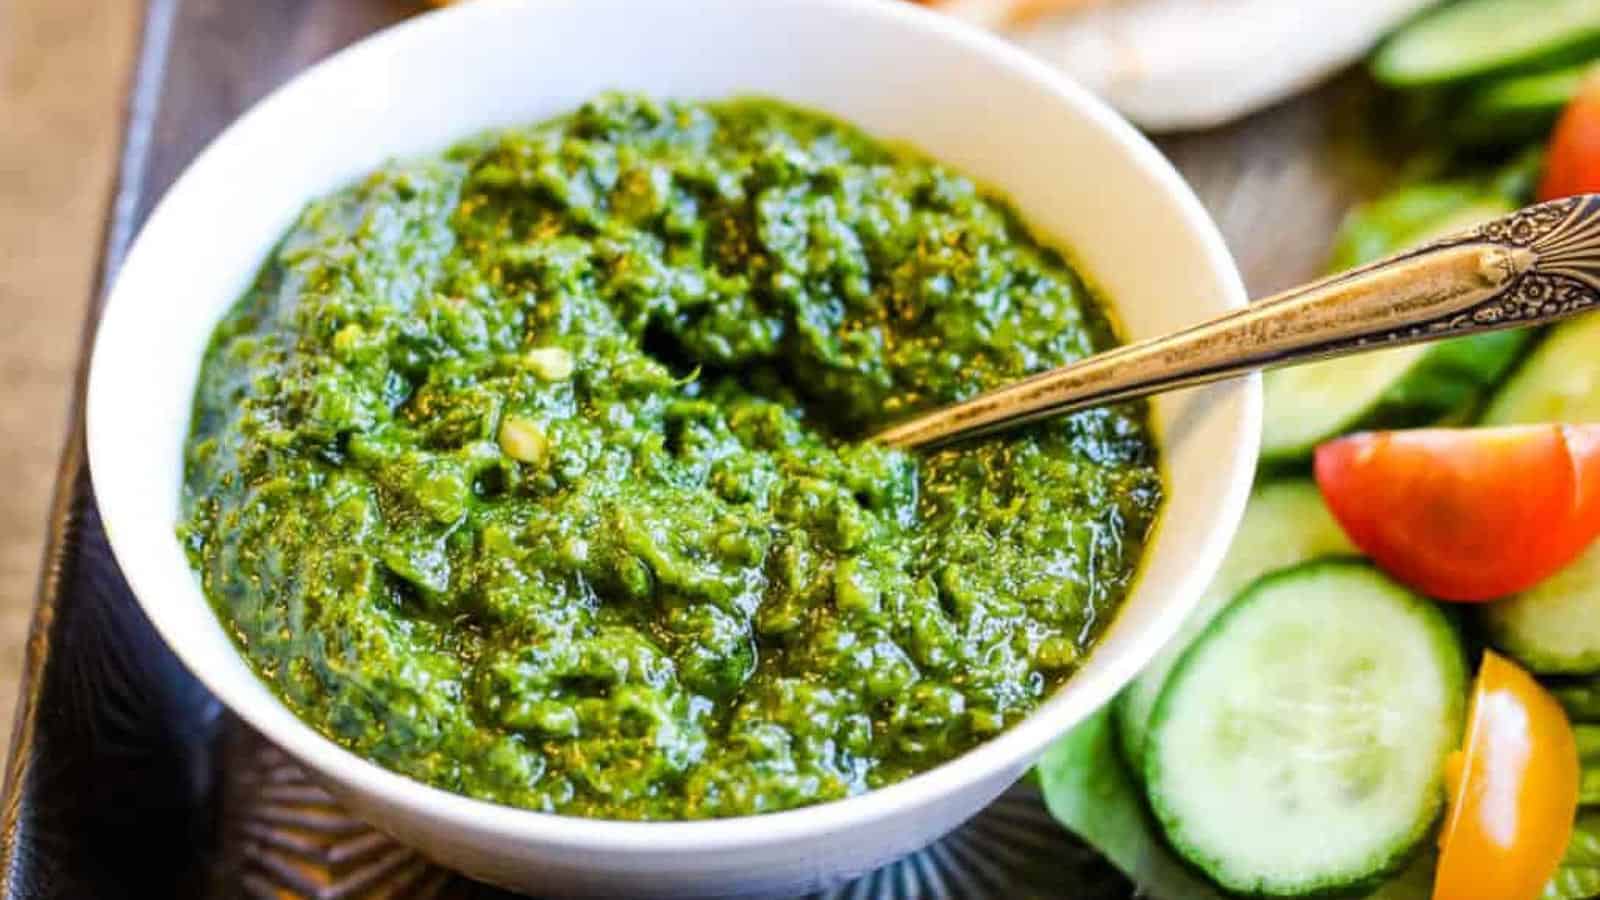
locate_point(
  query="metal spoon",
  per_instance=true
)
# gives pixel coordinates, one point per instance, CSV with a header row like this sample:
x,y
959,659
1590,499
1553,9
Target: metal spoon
x,y
1536,265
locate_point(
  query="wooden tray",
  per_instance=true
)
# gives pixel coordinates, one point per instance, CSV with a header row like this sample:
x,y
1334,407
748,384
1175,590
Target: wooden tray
x,y
126,779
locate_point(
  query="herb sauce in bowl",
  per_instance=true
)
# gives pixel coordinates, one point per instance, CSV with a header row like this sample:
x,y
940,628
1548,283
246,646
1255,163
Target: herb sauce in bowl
x,y
534,471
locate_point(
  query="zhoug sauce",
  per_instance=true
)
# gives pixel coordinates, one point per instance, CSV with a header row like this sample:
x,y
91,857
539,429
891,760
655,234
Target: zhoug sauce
x,y
536,471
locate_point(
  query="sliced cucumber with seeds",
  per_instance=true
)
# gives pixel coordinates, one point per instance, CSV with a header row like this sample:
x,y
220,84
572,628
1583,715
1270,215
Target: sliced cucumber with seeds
x,y
1559,381
1406,386
1285,524
1418,385
1479,37
1553,629
1299,747
1309,404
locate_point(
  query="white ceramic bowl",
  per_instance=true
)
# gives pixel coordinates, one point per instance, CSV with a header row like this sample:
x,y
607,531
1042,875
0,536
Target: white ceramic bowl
x,y
1079,174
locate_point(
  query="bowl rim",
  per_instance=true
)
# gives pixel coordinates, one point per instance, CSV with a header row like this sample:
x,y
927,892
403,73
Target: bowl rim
x,y
1014,748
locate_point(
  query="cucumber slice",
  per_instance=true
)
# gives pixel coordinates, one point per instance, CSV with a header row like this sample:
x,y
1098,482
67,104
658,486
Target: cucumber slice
x,y
1478,37
1285,524
1309,404
1300,745
1417,385
1553,629
1559,382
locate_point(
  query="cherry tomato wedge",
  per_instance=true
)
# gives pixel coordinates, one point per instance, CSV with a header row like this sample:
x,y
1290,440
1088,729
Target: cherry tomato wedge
x,y
1514,791
1467,514
1573,163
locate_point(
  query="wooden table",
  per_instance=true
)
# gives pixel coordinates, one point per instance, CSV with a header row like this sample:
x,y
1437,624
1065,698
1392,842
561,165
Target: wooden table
x,y
125,777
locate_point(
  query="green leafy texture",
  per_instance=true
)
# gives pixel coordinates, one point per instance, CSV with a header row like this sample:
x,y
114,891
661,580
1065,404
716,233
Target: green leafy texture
x,y
1405,216
1518,109
1588,736
1579,875
1088,788
1426,210
1581,700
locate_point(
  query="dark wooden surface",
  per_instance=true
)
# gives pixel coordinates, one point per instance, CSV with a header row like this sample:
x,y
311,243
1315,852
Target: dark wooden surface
x,y
111,787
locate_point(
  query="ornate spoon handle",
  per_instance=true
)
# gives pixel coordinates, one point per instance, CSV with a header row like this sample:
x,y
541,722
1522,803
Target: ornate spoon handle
x,y
1536,265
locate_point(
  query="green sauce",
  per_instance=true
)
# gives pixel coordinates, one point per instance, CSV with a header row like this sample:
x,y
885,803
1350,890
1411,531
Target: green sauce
x,y
535,471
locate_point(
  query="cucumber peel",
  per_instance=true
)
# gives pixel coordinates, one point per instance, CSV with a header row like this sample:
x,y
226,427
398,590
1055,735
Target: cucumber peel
x,y
1472,38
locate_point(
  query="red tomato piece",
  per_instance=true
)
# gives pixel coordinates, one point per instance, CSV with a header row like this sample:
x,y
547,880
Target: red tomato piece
x,y
1467,514
1573,163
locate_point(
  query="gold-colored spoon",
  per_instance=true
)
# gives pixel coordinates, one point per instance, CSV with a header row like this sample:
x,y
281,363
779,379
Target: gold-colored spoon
x,y
1536,265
